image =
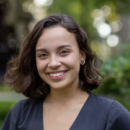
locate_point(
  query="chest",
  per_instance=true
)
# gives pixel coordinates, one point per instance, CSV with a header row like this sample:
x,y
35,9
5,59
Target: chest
x,y
60,118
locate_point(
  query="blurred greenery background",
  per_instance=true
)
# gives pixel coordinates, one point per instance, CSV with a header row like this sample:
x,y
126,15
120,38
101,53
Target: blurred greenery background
x,y
107,23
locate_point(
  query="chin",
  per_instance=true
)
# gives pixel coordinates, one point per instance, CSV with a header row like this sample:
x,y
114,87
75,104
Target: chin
x,y
58,86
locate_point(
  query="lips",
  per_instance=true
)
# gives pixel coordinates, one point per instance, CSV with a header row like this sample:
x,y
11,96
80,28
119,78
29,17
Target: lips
x,y
57,75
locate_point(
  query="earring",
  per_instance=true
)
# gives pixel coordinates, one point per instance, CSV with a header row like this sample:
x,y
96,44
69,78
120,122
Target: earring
x,y
82,62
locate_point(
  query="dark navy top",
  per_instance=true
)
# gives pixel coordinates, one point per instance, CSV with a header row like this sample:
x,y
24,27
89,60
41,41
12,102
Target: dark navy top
x,y
98,113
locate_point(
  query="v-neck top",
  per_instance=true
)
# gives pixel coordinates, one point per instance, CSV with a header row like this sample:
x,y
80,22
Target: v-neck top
x,y
97,113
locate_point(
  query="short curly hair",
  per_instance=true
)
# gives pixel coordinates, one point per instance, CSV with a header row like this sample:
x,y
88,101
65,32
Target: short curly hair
x,y
22,74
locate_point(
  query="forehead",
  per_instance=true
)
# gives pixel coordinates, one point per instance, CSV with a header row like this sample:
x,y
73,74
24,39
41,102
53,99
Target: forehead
x,y
56,36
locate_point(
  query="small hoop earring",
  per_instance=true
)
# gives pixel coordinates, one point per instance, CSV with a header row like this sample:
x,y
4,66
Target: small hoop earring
x,y
82,62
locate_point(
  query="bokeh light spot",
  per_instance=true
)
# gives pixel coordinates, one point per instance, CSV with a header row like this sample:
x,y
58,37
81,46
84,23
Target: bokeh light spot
x,y
104,30
113,40
43,2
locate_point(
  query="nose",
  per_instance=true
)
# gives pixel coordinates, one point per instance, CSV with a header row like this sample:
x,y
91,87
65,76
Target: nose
x,y
54,62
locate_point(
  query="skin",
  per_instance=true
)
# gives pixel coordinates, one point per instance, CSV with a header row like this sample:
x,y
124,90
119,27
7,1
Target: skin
x,y
57,51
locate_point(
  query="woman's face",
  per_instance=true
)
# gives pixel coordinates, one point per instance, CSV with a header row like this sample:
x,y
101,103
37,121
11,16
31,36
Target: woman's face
x,y
58,58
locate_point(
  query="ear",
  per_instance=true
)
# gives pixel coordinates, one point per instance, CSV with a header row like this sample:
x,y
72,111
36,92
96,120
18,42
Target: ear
x,y
82,55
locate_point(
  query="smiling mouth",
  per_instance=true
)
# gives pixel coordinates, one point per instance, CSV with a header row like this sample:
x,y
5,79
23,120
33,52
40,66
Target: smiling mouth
x,y
57,75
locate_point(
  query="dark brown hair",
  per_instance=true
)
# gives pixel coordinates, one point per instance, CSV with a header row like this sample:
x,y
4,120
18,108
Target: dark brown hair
x,y
22,73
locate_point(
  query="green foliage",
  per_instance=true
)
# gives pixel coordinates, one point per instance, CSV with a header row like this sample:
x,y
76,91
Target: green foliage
x,y
117,78
81,10
4,88
118,73
78,10
4,109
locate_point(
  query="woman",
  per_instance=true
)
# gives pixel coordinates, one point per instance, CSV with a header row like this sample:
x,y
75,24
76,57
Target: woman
x,y
56,69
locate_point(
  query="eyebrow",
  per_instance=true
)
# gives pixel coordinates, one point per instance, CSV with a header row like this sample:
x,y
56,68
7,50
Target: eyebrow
x,y
63,46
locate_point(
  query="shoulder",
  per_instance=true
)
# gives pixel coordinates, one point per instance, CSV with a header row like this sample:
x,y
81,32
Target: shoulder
x,y
117,116
21,104
25,104
19,112
101,102
23,108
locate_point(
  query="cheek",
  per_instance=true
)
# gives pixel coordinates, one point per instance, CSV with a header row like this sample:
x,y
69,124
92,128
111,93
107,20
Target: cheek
x,y
76,58
73,61
40,65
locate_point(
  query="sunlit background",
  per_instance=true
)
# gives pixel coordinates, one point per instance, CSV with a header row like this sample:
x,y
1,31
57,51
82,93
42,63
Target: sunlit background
x,y
107,23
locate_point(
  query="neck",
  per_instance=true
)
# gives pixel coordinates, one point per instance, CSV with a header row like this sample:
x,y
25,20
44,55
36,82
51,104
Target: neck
x,y
65,95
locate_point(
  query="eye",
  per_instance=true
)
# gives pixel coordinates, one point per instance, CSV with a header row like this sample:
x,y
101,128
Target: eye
x,y
64,52
43,55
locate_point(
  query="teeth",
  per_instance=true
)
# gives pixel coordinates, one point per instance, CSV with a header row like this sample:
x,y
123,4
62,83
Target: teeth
x,y
56,74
